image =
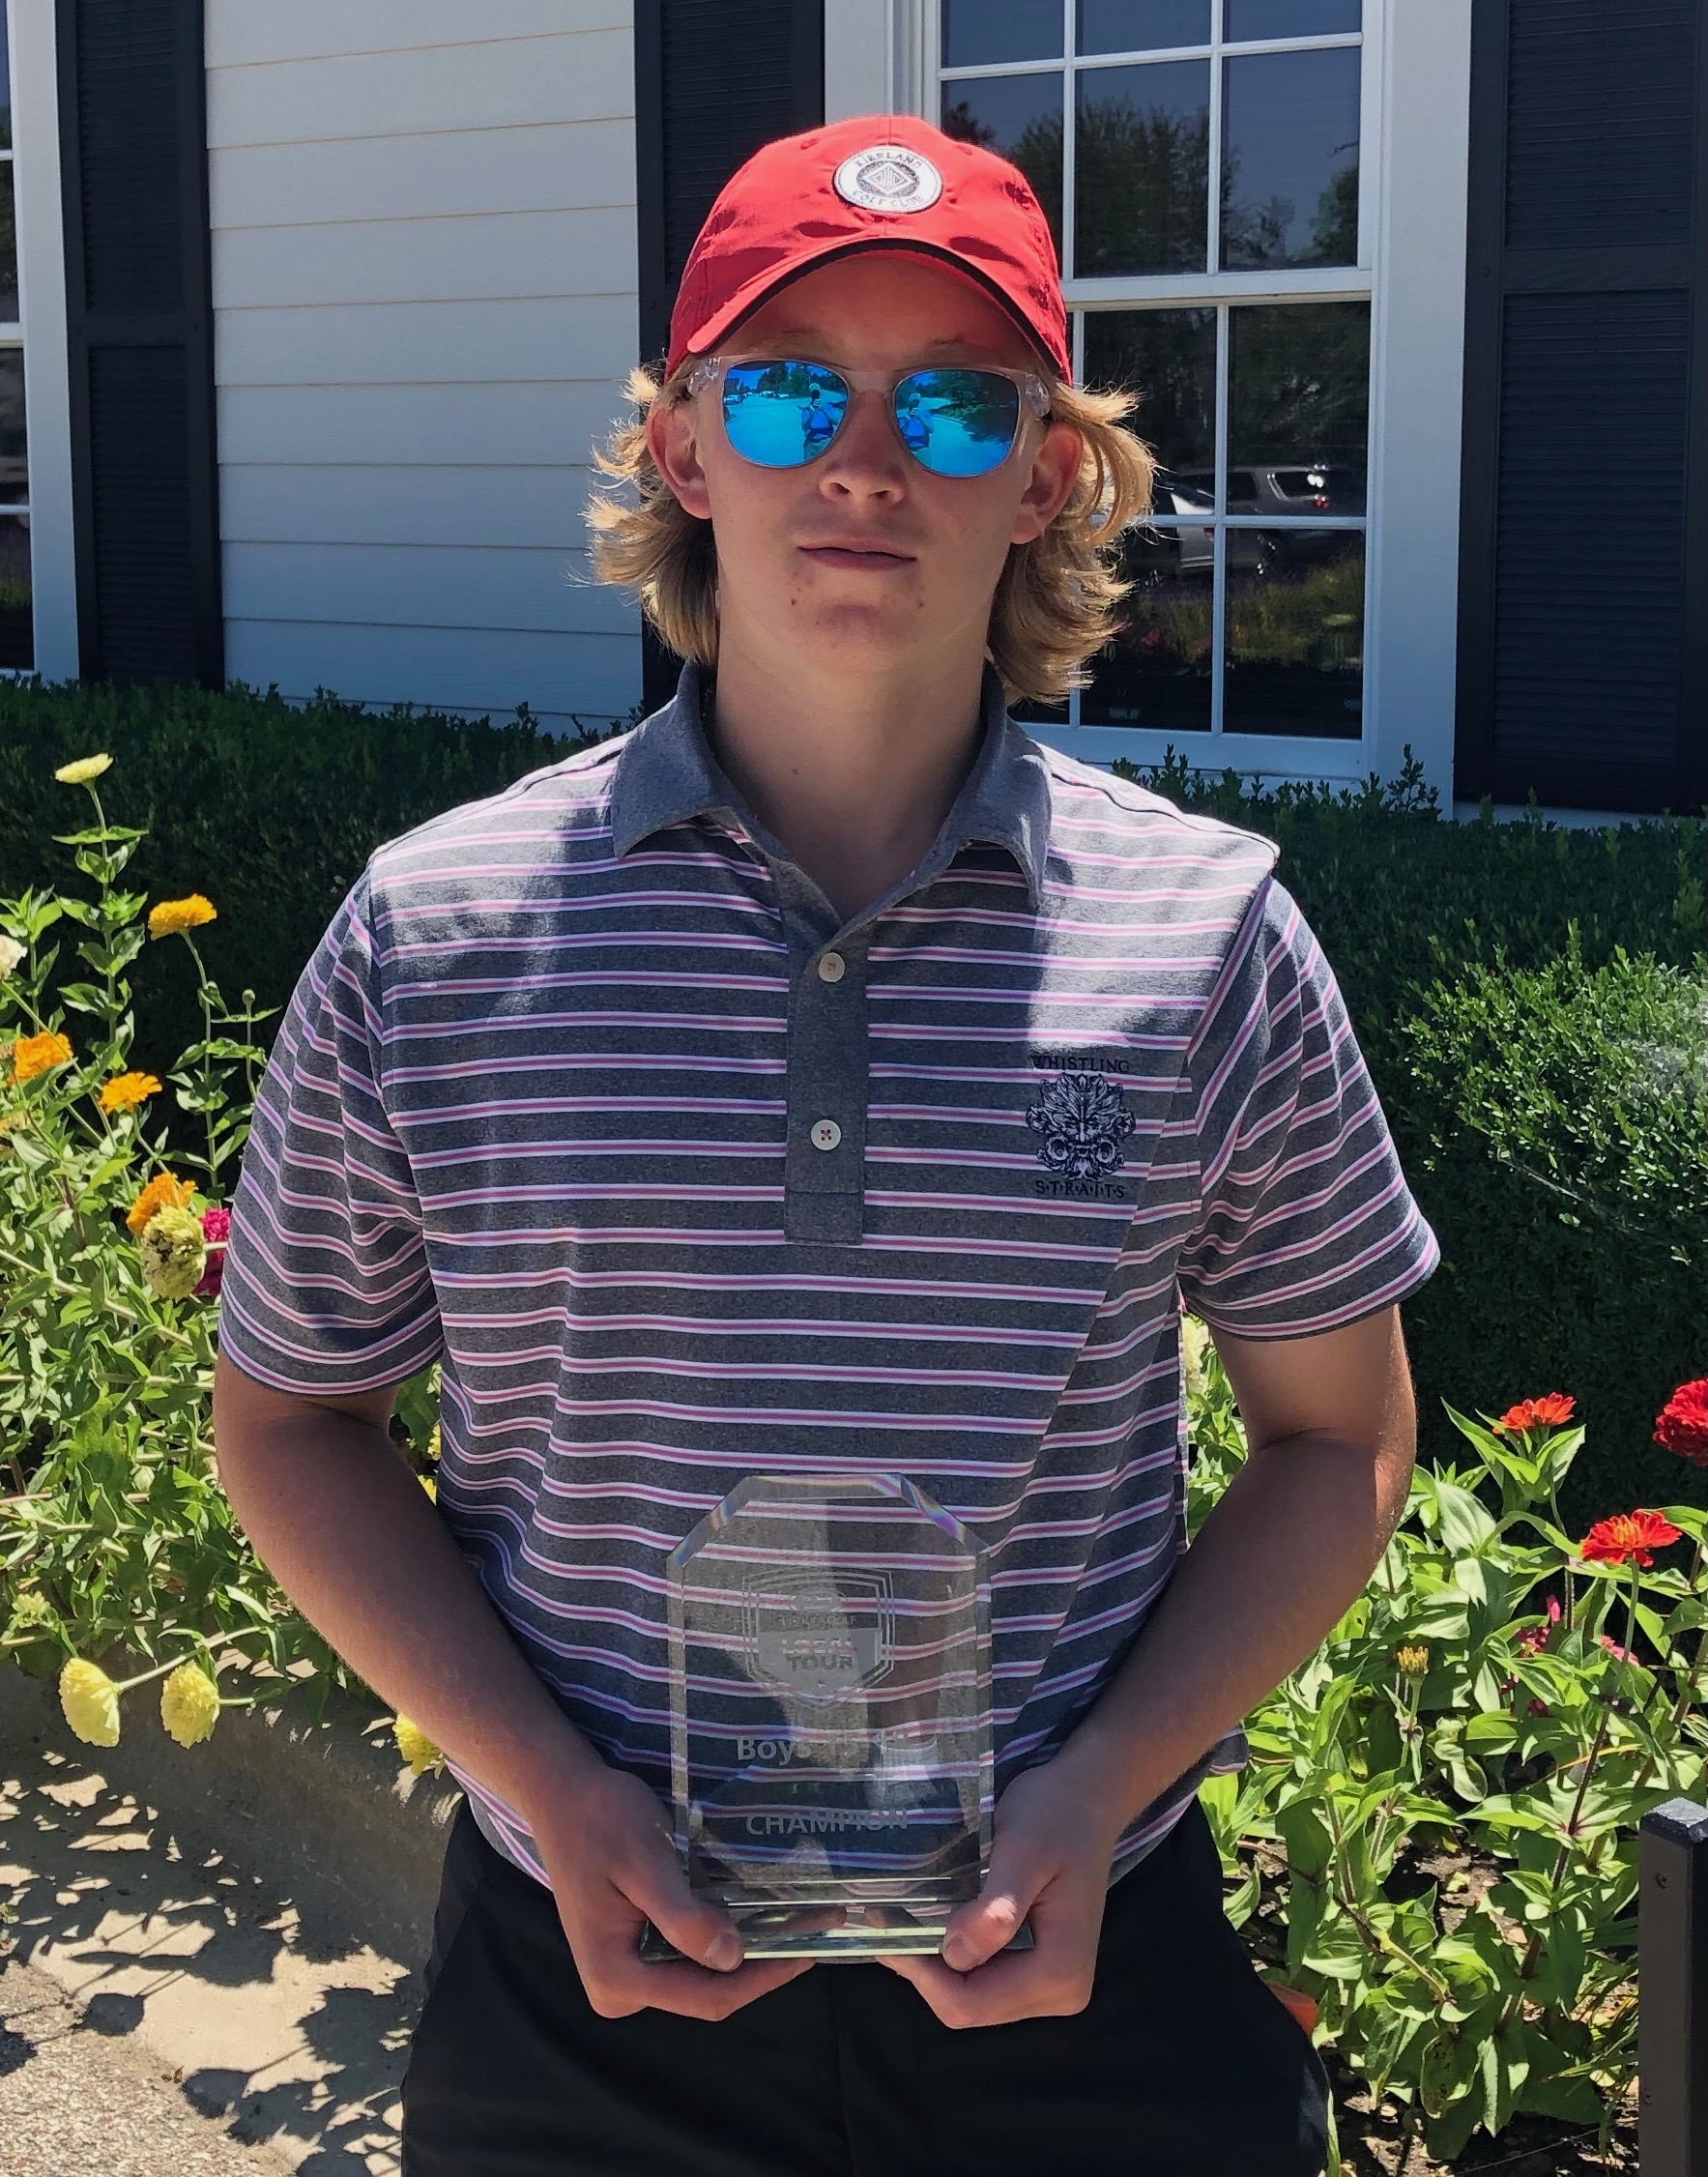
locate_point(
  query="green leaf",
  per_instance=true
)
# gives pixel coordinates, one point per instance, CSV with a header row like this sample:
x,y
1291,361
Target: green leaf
x,y
1337,1950
1464,1524
1568,2097
1505,2066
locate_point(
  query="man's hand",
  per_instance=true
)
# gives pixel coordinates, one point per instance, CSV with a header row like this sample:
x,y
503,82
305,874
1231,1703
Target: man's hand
x,y
1050,1860
348,1533
608,1852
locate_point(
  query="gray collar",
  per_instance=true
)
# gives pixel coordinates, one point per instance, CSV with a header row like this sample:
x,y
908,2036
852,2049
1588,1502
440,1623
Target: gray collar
x,y
667,774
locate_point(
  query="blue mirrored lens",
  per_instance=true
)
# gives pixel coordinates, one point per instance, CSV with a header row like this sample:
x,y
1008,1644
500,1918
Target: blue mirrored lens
x,y
780,415
958,422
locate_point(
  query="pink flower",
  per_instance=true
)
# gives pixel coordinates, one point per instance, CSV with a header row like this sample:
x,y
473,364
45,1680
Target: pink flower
x,y
1534,1638
216,1233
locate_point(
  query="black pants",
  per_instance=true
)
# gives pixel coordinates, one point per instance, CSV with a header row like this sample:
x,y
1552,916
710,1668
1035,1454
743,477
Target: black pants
x,y
1183,2064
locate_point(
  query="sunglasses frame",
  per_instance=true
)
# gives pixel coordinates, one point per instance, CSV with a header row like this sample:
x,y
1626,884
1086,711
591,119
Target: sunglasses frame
x,y
1034,395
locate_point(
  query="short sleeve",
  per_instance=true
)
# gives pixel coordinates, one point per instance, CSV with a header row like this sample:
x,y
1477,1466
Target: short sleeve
x,y
326,1286
1304,1219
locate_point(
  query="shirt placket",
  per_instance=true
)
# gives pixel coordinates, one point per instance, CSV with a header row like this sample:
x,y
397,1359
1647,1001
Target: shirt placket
x,y
827,1070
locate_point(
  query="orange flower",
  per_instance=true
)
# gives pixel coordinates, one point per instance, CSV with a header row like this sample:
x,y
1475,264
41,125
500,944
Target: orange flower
x,y
1625,1536
126,1090
163,1192
1682,1423
172,919
1553,1410
32,1055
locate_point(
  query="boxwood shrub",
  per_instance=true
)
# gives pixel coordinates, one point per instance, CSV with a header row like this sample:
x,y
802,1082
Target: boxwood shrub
x,y
1529,998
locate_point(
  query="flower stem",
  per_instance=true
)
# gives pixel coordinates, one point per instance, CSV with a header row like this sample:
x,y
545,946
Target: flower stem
x,y
1533,1948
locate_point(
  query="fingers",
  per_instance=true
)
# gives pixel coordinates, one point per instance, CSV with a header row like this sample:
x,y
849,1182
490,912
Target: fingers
x,y
1053,1979
605,1939
1024,1985
689,1990
979,1931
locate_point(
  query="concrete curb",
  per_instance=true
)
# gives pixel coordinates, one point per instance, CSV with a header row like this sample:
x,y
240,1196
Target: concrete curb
x,y
318,1805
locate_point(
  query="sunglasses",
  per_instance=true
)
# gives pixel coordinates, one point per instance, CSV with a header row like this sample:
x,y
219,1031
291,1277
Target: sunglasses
x,y
955,422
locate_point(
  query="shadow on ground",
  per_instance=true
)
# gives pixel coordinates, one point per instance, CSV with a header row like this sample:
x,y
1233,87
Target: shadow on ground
x,y
267,2006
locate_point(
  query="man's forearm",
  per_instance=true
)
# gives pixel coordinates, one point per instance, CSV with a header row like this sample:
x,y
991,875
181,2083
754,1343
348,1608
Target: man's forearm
x,y
353,1539
1278,1561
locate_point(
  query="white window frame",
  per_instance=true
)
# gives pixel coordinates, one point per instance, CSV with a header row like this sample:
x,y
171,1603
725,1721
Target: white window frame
x,y
41,332
881,55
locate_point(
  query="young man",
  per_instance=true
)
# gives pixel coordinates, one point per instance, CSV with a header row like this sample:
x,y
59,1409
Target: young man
x,y
825,1075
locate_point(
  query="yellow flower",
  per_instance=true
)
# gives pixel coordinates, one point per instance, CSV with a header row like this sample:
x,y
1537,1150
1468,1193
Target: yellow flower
x,y
163,1192
416,1746
171,918
430,1486
1195,1338
189,1704
174,1254
32,1055
85,769
126,1090
91,1703
1413,1660
30,1607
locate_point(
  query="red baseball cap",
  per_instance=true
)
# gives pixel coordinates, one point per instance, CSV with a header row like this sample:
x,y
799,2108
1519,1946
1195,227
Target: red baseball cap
x,y
878,182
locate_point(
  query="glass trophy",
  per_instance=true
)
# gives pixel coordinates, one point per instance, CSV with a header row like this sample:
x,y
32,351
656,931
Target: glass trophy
x,y
830,1716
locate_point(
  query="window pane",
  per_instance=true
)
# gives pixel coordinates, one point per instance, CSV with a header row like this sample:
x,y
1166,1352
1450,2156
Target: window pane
x,y
1157,670
18,646
1296,634
1298,405
5,84
1019,117
1141,168
1290,18
976,32
8,249
1137,26
1167,358
1289,158
15,474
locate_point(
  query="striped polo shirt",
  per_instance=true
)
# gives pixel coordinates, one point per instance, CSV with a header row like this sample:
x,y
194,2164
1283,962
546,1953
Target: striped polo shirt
x,y
589,1090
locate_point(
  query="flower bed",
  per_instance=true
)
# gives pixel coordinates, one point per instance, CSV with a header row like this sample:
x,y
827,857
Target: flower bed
x,y
1433,1846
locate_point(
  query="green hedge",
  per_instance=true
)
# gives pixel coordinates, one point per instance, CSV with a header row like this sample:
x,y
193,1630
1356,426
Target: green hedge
x,y
1499,978
1530,999
269,808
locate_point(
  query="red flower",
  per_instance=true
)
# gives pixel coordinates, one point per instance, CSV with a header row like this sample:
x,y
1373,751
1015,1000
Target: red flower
x,y
1682,1423
216,1232
1553,1410
1625,1536
1621,1655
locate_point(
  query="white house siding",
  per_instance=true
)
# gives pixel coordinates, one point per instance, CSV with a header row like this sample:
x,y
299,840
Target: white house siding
x,y
423,250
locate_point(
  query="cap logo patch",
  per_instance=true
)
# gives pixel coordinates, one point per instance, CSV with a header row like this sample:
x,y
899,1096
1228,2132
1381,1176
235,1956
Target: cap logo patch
x,y
889,178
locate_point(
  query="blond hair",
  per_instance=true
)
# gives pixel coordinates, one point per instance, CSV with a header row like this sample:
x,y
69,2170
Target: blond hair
x,y
1055,599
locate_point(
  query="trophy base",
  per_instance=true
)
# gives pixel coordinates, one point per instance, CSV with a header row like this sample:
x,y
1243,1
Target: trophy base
x,y
859,1933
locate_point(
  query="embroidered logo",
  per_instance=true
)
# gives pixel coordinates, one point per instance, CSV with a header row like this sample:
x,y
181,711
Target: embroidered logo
x,y
889,178
1081,1122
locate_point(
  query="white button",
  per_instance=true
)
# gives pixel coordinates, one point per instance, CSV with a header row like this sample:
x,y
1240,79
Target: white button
x,y
832,966
826,1133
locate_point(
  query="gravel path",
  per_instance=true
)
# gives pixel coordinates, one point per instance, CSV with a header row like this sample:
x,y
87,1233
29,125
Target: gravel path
x,y
74,2099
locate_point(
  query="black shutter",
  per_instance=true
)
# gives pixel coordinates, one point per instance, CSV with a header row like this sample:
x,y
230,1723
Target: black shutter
x,y
139,320
1583,568
714,80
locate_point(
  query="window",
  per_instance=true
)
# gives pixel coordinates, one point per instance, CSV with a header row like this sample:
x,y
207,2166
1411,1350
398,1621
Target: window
x,y
1239,314
17,641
